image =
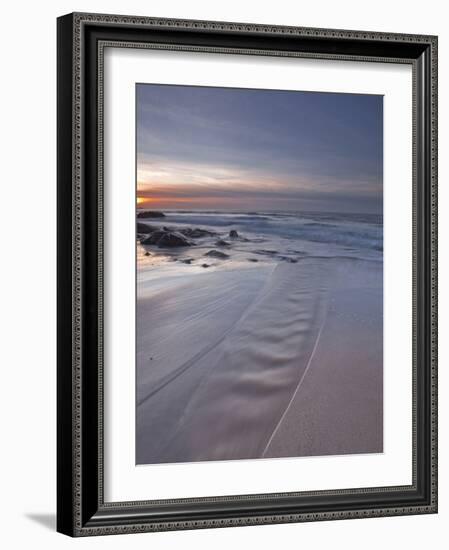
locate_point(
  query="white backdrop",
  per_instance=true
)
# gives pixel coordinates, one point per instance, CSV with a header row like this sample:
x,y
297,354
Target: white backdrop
x,y
27,218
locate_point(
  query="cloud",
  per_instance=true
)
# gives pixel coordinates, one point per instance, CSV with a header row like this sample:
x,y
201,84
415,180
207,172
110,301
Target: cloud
x,y
217,187
204,144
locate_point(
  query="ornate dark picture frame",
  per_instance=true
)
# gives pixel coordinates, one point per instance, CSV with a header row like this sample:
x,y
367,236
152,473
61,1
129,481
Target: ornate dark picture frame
x,y
81,510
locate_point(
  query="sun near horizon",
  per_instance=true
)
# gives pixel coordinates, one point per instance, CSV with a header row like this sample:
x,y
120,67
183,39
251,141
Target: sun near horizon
x,y
143,201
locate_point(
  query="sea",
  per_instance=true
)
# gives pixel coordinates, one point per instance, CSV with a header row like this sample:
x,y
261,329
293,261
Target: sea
x,y
273,236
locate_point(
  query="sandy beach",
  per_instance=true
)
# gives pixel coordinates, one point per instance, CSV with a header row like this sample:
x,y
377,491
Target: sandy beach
x,y
259,355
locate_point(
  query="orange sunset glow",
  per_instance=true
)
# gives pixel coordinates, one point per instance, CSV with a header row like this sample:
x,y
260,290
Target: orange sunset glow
x,y
174,202
212,148
146,200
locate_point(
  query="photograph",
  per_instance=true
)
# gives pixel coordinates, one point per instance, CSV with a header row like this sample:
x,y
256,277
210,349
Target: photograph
x,y
259,273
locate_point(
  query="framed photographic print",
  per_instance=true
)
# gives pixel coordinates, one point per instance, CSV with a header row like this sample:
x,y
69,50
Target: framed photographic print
x,y
247,284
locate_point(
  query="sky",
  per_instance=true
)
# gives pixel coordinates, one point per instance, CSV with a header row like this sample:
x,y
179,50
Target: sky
x,y
266,150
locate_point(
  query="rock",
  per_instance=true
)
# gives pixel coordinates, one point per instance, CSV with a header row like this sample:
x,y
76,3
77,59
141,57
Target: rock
x,y
205,265
147,254
169,240
233,234
222,242
196,233
265,252
252,260
166,239
150,214
187,261
217,254
145,228
153,238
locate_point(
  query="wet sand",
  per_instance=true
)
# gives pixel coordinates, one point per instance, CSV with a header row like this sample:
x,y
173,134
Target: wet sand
x,y
274,361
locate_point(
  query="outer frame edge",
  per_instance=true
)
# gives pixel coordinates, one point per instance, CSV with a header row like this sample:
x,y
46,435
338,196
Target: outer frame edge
x,y
233,26
79,19
253,521
65,441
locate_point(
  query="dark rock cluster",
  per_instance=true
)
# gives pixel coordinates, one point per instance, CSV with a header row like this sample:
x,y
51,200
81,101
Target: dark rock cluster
x,y
196,233
217,254
150,214
145,228
166,239
173,237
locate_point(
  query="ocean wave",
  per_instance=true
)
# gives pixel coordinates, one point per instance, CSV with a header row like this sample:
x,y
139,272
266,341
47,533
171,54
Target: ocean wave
x,y
347,230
